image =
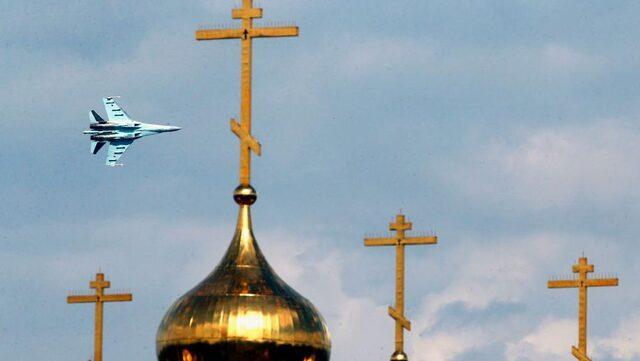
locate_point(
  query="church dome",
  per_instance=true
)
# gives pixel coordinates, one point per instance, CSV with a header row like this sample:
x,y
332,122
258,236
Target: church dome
x,y
243,311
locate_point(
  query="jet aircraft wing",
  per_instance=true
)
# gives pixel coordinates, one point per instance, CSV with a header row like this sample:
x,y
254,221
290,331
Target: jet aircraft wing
x,y
115,113
116,150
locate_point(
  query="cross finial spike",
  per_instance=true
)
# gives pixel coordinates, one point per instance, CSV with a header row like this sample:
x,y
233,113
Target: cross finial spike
x,y
580,280
99,298
246,33
399,240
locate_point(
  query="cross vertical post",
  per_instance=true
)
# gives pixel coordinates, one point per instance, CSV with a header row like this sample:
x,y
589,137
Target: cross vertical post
x,y
99,298
399,240
582,282
246,33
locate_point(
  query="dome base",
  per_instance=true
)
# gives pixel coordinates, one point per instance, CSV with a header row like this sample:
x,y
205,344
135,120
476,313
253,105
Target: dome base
x,y
241,351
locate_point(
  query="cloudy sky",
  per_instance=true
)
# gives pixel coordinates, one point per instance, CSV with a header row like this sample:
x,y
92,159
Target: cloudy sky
x,y
509,127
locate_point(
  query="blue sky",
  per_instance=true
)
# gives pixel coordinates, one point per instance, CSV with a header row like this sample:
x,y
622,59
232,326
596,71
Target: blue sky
x,y
508,127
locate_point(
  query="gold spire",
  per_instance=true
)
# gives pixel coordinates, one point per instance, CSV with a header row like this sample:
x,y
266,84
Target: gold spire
x,y
400,226
582,282
99,298
242,310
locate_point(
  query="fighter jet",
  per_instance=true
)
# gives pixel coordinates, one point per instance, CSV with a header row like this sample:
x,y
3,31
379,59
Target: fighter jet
x,y
119,131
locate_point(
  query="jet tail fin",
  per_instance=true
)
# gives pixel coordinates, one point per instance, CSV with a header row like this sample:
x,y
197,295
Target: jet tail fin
x,y
95,118
95,146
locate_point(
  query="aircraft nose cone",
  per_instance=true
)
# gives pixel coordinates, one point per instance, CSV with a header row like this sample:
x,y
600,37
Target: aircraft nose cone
x,y
173,129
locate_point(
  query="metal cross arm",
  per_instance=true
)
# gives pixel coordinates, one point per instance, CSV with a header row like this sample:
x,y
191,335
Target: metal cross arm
x,y
579,355
241,33
104,298
246,13
605,282
125,297
247,139
583,267
393,241
403,321
275,32
82,299
99,283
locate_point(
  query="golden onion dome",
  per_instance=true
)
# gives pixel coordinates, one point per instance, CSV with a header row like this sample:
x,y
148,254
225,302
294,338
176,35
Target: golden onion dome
x,y
243,311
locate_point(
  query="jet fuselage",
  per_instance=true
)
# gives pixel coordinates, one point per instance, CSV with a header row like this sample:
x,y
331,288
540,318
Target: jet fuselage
x,y
119,131
113,131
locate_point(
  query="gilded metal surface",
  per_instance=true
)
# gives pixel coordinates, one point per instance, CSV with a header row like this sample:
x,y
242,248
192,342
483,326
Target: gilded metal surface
x,y
582,282
400,240
399,356
246,33
243,309
99,298
245,195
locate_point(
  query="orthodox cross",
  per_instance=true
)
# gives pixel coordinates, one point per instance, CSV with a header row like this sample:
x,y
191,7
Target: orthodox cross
x,y
99,298
246,34
582,282
400,226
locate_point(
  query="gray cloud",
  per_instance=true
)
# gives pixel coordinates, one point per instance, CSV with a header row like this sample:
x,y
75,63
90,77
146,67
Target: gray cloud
x,y
509,128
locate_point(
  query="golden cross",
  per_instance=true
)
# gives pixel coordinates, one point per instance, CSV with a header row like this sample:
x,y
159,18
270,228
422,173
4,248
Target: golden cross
x,y
582,282
99,298
246,33
399,240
